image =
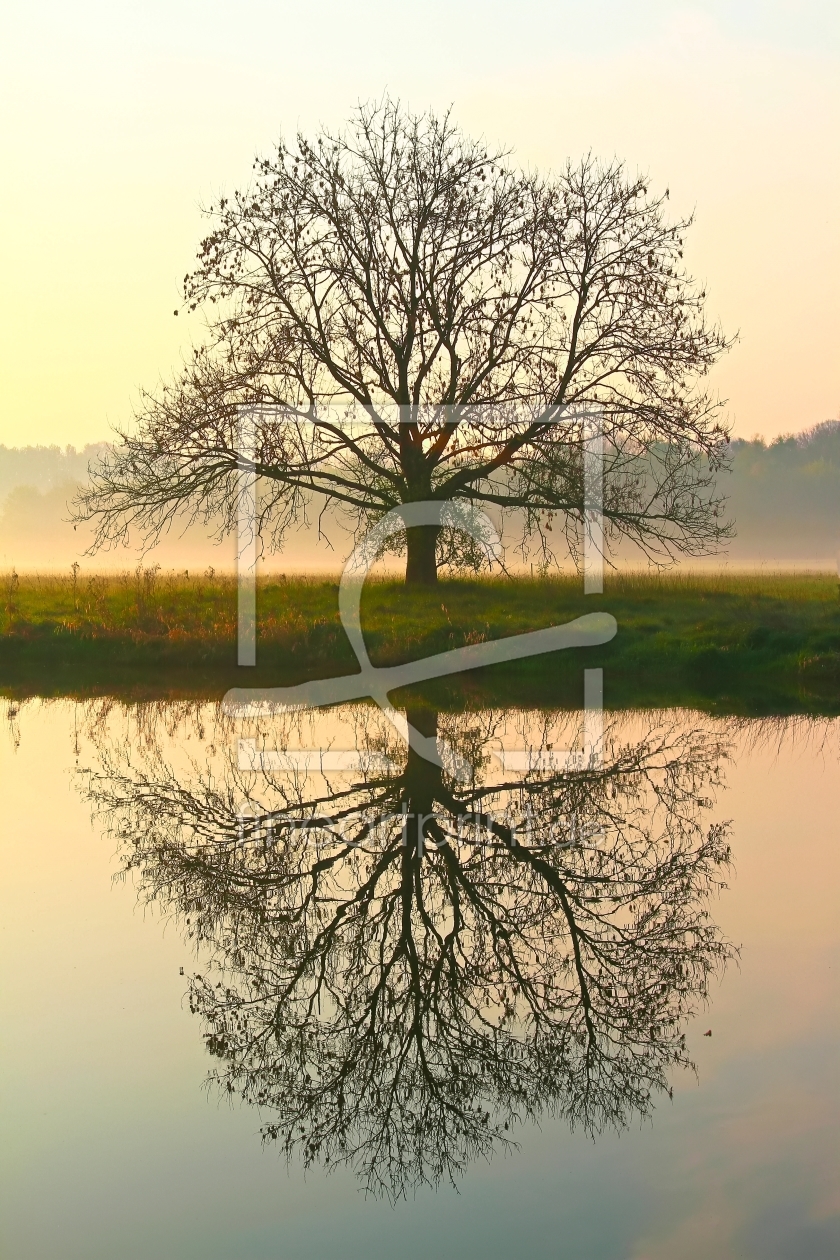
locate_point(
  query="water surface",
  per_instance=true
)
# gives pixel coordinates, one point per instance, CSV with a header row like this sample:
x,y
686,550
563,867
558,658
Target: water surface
x,y
563,991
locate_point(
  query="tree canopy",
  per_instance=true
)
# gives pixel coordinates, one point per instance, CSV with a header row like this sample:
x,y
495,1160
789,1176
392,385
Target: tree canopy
x,y
408,316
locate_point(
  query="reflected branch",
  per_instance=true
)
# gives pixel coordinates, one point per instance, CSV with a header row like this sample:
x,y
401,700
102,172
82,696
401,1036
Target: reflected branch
x,y
402,969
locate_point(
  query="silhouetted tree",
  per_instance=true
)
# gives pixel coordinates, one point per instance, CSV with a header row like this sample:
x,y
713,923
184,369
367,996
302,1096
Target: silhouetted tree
x,y
458,308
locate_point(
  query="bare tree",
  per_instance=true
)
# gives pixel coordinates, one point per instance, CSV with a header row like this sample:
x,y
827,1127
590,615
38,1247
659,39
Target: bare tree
x,y
453,309
398,970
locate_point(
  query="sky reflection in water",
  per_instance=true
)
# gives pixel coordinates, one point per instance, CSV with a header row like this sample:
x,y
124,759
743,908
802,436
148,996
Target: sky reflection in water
x,y
396,1022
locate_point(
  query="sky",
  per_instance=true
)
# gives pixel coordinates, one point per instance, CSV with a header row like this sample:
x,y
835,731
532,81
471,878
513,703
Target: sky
x,y
118,122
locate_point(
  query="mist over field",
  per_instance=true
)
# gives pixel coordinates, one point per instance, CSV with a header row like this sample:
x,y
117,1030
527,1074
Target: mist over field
x,y
783,496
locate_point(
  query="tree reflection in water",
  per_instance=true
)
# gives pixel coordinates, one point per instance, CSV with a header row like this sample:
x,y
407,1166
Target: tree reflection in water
x,y
439,958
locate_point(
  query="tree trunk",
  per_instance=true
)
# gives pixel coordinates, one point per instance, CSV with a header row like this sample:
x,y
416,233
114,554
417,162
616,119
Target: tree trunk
x,y
421,562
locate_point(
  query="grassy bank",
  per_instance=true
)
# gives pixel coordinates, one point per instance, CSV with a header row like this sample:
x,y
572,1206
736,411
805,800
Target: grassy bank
x,y
761,643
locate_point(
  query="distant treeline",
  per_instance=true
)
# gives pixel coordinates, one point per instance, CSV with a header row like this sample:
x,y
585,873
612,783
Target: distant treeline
x,y
44,468
784,497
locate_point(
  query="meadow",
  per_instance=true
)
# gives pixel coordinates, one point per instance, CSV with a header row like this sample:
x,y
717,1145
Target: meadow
x,y
760,642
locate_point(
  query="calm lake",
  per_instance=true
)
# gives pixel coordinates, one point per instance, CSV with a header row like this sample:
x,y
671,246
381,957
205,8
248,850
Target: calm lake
x,y
282,988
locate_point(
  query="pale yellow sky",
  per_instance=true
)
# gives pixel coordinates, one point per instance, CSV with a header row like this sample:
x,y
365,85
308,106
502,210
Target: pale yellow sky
x,y
118,121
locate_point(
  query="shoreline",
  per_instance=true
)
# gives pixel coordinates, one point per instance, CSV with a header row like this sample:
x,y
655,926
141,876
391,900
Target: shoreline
x,y
754,642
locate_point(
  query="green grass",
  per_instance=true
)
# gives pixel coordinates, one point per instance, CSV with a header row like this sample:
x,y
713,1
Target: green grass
x,y
737,642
